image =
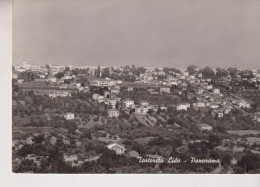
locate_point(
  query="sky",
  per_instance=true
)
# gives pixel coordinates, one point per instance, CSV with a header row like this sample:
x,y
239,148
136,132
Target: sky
x,y
149,33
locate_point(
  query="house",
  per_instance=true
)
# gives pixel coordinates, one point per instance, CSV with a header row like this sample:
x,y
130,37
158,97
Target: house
x,y
115,90
107,83
216,91
20,81
243,103
78,85
200,91
173,82
59,94
205,127
207,86
257,117
208,80
119,149
142,110
186,73
128,103
161,73
183,106
52,79
111,101
144,103
100,98
227,108
165,90
69,116
70,158
113,113
213,106
200,104
218,112
164,108
129,89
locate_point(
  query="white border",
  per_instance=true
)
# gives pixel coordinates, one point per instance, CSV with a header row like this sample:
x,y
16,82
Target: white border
x,y
8,179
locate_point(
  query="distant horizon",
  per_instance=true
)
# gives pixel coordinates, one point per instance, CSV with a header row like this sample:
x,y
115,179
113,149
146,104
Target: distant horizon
x,y
148,33
81,66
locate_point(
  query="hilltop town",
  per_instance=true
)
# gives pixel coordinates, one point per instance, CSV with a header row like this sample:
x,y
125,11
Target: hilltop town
x,y
70,119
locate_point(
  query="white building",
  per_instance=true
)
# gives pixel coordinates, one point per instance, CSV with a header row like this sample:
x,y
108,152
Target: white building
x,y
128,103
216,91
204,127
26,66
69,116
144,103
183,106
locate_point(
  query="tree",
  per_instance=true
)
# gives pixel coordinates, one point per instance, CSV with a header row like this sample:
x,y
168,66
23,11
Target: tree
x,y
213,140
106,72
207,72
26,166
226,160
249,162
47,66
38,139
167,70
59,75
191,69
221,73
232,72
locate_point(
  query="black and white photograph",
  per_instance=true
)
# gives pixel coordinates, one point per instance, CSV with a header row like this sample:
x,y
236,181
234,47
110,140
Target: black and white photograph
x,y
135,87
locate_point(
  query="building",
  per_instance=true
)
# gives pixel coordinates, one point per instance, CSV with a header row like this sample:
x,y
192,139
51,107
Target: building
x,y
257,117
205,127
115,90
112,102
144,103
161,73
129,89
128,103
113,113
142,110
59,94
243,103
165,90
20,81
213,106
69,116
107,83
200,104
228,108
218,113
100,98
183,106
119,149
26,66
216,91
